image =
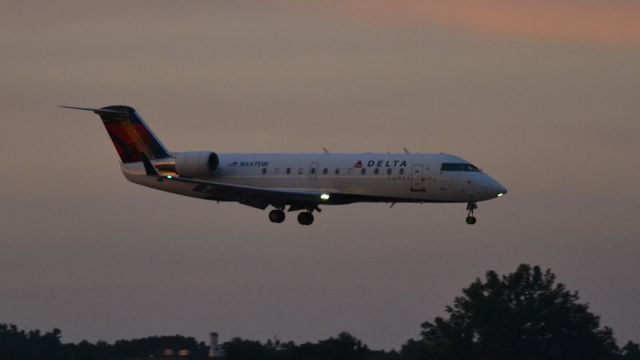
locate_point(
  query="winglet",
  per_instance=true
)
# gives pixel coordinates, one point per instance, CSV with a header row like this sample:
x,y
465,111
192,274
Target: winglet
x,y
148,166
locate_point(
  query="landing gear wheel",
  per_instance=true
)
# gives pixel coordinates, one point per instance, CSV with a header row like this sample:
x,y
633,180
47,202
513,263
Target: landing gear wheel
x,y
305,218
470,207
276,216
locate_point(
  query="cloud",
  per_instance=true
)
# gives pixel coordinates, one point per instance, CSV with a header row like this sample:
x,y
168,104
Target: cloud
x,y
602,22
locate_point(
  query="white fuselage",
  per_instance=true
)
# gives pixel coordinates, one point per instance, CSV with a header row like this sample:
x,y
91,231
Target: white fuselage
x,y
292,182
366,177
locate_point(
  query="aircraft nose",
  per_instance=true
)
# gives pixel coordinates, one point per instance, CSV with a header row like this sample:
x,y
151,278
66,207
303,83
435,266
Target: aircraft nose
x,y
498,189
495,189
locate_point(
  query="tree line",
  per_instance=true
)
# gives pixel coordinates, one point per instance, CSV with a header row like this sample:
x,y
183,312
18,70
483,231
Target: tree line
x,y
524,315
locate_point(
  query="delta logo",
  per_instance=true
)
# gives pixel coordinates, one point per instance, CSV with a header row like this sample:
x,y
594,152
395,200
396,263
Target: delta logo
x,y
386,163
381,163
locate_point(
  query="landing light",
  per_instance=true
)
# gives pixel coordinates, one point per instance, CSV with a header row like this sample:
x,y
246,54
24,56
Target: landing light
x,y
324,196
169,177
500,194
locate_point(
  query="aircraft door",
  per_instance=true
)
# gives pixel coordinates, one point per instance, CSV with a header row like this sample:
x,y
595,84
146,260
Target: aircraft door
x,y
313,171
417,180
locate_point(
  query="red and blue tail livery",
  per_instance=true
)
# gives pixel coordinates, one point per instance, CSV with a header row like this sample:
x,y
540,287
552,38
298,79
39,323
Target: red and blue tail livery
x,y
129,133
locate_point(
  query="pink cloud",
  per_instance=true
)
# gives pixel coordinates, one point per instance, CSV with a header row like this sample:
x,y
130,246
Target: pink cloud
x,y
614,22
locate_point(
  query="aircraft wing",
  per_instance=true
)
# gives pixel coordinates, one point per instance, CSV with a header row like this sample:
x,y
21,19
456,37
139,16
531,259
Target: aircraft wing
x,y
247,195
252,196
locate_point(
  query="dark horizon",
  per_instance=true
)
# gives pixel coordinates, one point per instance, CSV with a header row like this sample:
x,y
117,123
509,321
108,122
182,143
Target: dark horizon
x,y
525,314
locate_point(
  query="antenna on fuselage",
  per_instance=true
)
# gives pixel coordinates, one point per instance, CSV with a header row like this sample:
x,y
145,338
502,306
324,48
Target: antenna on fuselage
x,y
405,150
325,150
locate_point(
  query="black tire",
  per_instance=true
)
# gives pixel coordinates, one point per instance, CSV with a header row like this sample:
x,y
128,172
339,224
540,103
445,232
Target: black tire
x,y
305,218
471,220
276,216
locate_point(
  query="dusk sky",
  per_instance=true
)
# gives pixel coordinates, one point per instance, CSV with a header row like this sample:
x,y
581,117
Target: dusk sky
x,y
542,95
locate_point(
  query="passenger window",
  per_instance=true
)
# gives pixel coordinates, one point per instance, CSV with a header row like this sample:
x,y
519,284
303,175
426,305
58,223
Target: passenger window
x,y
313,171
363,171
337,171
288,171
376,171
325,171
401,171
389,171
264,171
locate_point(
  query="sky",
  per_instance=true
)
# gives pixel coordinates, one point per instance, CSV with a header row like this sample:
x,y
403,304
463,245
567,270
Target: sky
x,y
542,95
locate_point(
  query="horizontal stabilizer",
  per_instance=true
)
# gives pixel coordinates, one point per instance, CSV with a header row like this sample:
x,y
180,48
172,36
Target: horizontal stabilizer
x,y
97,111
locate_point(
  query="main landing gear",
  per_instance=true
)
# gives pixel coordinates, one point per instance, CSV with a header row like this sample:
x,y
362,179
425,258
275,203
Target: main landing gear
x,y
470,207
304,218
276,216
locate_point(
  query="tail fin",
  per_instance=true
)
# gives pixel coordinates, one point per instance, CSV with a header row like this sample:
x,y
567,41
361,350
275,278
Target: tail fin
x,y
129,133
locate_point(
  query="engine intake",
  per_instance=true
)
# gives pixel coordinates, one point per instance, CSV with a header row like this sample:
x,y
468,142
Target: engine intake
x,y
197,163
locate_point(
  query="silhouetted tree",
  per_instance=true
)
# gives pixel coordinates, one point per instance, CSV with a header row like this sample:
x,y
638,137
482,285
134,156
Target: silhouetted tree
x,y
85,350
524,315
18,344
154,346
416,350
239,349
21,345
631,351
383,355
344,347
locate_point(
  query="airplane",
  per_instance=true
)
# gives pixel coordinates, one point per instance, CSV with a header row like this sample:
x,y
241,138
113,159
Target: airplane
x,y
293,181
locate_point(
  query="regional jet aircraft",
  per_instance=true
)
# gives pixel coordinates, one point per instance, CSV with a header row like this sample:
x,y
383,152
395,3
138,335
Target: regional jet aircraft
x,y
293,181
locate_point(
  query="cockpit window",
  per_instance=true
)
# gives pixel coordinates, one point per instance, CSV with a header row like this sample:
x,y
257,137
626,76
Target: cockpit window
x,y
458,167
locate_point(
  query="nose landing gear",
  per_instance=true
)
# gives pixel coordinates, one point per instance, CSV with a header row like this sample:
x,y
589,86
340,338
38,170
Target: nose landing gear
x,y
470,207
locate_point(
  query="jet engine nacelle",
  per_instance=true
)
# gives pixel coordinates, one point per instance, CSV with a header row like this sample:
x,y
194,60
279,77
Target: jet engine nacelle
x,y
197,163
